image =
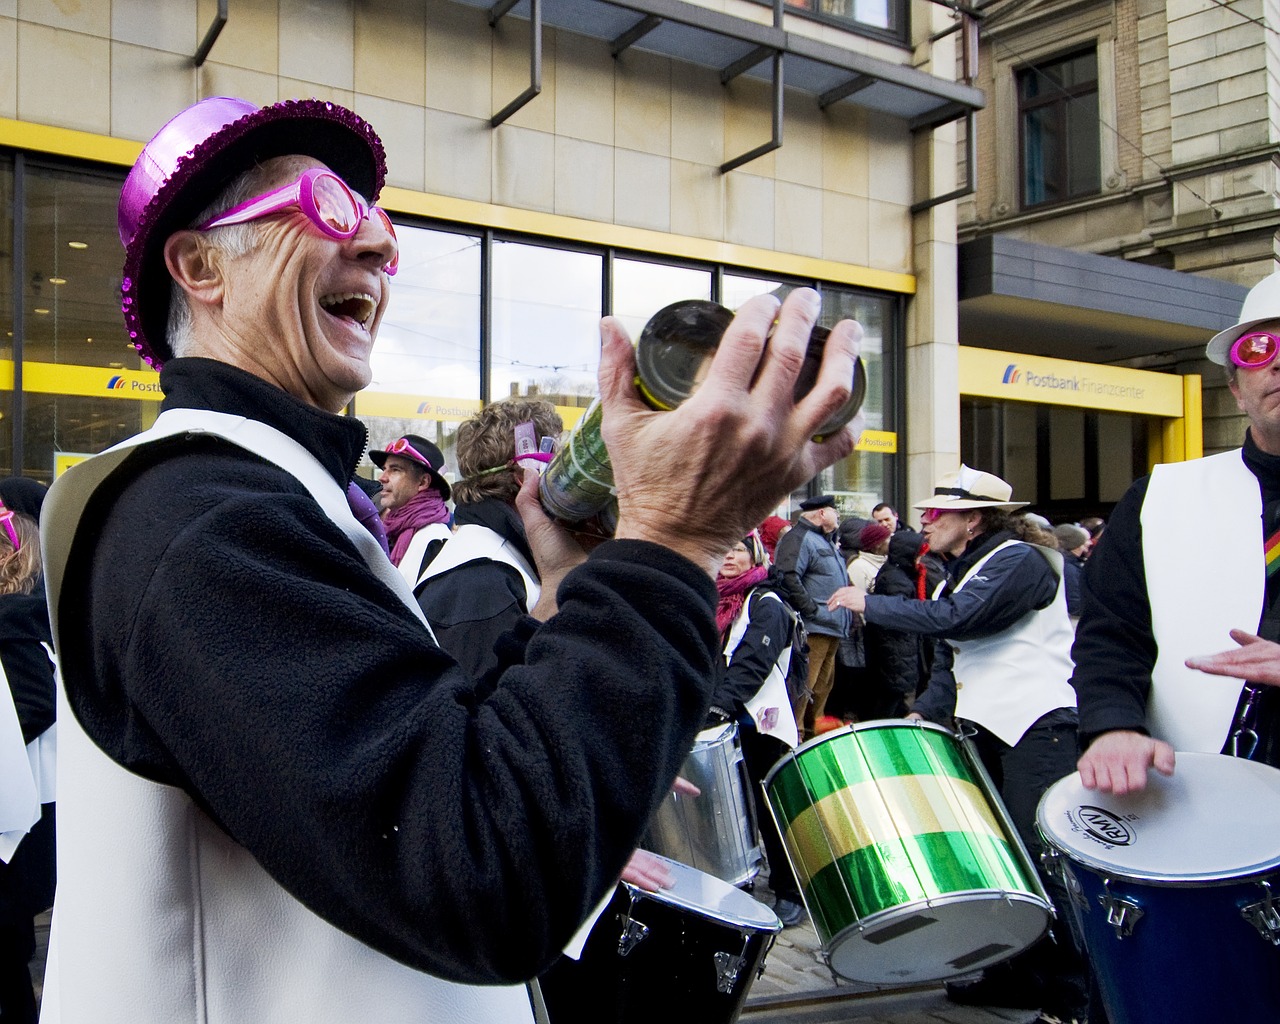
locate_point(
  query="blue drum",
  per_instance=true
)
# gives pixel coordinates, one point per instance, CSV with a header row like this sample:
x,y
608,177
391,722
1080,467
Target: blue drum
x,y
1176,889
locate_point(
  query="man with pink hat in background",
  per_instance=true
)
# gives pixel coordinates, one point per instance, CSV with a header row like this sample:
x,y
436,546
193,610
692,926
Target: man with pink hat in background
x,y
279,799
1147,680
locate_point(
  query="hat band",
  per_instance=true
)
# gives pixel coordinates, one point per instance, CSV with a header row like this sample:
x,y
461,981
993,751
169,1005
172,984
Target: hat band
x,y
960,492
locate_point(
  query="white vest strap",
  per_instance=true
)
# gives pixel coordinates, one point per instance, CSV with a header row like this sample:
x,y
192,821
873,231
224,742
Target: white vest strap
x,y
1192,614
472,543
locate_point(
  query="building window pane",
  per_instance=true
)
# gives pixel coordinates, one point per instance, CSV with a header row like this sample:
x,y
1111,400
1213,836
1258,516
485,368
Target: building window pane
x,y
546,322
6,310
426,362
641,288
879,15
86,387
1058,128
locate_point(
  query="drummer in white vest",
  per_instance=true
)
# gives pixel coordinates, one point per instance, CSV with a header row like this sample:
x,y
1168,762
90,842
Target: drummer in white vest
x,y
1001,667
279,800
413,500
1147,682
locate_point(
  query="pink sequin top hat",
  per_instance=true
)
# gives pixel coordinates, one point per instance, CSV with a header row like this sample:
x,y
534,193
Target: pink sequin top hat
x,y
194,157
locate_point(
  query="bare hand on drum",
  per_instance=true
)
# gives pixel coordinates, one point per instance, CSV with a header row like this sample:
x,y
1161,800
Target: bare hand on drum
x,y
1256,660
684,787
648,871
1117,762
555,549
703,475
850,597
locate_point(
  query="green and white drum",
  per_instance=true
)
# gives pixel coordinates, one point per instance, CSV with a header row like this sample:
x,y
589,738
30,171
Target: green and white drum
x,y
908,863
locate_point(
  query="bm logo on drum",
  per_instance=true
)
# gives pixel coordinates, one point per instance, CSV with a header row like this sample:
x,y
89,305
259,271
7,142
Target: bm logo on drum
x,y
1102,825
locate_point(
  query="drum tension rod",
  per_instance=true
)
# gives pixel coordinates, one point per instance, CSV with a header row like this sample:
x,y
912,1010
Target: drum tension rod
x,y
1265,914
728,967
1056,866
633,932
1122,913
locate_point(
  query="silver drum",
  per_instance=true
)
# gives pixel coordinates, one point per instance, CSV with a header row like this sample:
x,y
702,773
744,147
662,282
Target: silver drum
x,y
716,831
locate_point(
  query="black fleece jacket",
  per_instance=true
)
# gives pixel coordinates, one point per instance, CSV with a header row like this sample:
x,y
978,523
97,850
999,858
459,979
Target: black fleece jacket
x,y
221,634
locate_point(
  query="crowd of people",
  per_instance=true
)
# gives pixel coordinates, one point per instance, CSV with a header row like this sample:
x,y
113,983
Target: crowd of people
x,y
336,748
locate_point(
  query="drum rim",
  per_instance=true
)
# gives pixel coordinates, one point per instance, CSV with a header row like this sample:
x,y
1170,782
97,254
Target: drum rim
x,y
965,896
769,925
875,723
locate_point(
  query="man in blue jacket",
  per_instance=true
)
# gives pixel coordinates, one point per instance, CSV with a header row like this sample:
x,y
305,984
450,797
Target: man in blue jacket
x,y
812,570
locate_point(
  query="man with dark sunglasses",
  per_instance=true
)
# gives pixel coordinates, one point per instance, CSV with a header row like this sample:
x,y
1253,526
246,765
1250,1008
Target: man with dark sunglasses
x,y
281,800
1145,686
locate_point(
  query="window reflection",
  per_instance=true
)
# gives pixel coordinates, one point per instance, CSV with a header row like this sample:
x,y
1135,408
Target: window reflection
x,y
546,322
71,304
641,288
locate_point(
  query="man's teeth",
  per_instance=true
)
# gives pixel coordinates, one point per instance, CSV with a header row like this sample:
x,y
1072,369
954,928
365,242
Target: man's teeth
x,y
357,306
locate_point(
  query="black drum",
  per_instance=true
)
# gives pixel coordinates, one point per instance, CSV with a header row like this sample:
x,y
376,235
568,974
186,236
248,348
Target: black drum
x,y
690,952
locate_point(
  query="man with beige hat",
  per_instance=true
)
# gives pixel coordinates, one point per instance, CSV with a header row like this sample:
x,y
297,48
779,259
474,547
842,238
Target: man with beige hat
x,y
1001,667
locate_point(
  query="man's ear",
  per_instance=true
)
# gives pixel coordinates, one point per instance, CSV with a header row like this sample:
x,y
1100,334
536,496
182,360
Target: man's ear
x,y
195,265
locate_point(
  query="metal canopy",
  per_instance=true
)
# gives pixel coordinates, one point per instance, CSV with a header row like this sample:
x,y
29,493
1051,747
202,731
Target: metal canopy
x,y
708,38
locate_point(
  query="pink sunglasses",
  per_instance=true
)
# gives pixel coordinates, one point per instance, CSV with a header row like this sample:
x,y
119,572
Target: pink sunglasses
x,y
11,531
326,201
1255,350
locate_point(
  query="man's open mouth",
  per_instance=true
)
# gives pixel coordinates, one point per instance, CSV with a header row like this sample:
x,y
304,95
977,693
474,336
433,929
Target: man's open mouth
x,y
358,307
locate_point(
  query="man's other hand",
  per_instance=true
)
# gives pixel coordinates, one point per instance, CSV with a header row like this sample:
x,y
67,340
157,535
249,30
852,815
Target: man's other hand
x,y
1117,762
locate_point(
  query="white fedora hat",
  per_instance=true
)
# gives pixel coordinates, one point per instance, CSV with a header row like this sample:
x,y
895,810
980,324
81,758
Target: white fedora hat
x,y
970,488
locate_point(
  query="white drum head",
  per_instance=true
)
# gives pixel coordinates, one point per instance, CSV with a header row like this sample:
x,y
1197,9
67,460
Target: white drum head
x,y
710,897
1216,819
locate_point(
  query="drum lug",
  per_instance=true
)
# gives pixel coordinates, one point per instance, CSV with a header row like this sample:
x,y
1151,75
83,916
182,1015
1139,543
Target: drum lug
x,y
1055,865
633,932
1122,914
1264,915
729,966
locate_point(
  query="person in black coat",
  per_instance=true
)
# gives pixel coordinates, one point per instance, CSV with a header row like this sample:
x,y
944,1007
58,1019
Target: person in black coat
x,y
898,661
27,881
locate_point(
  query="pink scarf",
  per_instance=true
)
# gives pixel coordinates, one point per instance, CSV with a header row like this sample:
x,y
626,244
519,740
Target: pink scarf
x,y
732,593
423,509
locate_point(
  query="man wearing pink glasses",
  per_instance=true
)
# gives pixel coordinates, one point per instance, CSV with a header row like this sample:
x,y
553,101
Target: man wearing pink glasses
x,y
280,800
1147,682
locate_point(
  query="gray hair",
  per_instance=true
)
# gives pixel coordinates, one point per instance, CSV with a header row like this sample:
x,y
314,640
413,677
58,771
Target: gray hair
x,y
233,241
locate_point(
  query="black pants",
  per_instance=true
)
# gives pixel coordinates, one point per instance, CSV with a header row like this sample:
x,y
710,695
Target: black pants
x,y
1055,966
760,753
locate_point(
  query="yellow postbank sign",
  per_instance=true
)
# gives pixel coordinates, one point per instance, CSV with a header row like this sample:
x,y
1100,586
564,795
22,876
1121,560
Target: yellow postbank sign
x,y
1015,377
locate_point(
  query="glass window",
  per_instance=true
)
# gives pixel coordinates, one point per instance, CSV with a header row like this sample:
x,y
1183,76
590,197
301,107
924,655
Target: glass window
x,y
881,16
6,315
641,288
546,322
1058,129
81,381
864,478
1066,454
426,362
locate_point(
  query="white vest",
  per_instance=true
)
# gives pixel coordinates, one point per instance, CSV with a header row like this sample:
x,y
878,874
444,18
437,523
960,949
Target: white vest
x,y
1192,616
417,549
770,707
472,543
160,917
1006,681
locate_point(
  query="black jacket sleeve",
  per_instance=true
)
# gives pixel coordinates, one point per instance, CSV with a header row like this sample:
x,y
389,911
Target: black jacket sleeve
x,y
938,702
1115,650
756,654
30,674
1013,582
791,563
